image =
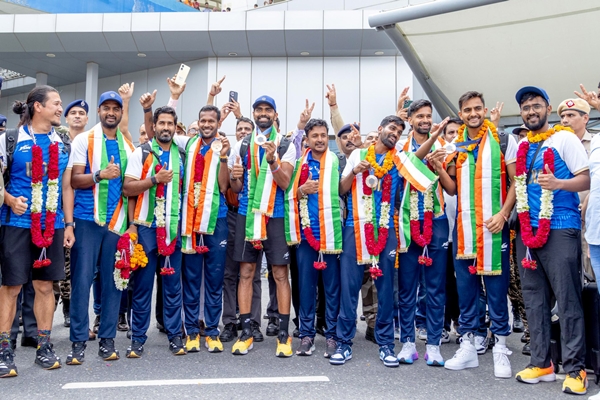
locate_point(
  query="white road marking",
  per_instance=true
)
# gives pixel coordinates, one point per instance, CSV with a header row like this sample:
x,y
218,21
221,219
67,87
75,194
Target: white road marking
x,y
180,382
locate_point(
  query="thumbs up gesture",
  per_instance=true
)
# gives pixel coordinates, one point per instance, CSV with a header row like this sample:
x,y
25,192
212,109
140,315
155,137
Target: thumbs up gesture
x,y
164,175
310,186
237,172
547,180
112,170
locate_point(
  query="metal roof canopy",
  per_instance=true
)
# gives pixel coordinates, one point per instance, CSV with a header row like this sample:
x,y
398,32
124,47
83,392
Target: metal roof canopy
x,y
497,49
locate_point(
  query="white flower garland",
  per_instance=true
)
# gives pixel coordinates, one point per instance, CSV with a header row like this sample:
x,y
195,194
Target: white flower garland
x,y
197,187
52,195
414,203
547,198
159,212
304,217
120,283
384,217
37,201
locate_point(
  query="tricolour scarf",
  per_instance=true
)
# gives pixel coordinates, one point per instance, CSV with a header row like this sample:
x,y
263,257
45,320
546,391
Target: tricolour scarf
x,y
481,192
199,215
261,190
98,160
146,202
330,225
404,212
412,169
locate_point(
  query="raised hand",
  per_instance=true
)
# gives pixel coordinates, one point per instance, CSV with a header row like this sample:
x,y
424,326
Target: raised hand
x,y
175,89
496,113
225,110
126,91
215,88
362,166
270,148
403,97
310,186
147,99
331,95
437,129
305,115
112,170
226,146
164,175
590,97
237,172
354,136
547,180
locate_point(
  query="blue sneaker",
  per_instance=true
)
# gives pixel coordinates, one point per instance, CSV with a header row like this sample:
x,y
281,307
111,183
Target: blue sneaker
x,y
408,354
341,355
386,354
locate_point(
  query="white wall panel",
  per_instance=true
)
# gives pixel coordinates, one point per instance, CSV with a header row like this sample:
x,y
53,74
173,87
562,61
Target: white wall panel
x,y
238,78
305,81
344,72
269,77
195,93
377,91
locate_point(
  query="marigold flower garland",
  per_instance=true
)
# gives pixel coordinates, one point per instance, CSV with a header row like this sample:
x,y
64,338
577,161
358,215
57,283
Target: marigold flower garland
x,y
128,258
530,240
164,249
320,264
376,247
388,162
198,174
43,240
424,239
462,156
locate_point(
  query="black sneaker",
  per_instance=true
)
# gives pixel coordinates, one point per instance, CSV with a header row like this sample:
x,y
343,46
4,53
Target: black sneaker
x,y
7,364
96,324
176,346
256,333
330,348
370,335
273,326
77,354
229,333
122,324
46,357
307,346
107,350
66,312
202,327
135,350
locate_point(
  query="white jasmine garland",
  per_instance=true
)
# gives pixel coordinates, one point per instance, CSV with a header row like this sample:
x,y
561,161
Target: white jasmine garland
x,y
304,217
120,283
384,220
159,212
197,186
428,200
521,193
368,208
414,204
36,197
52,195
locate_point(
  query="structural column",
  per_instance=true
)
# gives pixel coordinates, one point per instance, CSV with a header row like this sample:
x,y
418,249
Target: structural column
x,y
41,79
91,92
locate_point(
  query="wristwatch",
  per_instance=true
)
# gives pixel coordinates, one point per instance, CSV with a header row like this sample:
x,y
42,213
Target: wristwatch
x,y
67,224
153,180
270,162
97,176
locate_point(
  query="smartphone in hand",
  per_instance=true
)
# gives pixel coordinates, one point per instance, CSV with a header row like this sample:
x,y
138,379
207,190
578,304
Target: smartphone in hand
x,y
182,74
233,96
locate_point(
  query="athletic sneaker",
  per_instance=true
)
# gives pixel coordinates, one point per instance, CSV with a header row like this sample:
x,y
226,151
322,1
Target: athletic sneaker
x,y
307,346
284,345
386,354
465,356
433,356
533,374
445,336
330,348
192,343
408,354
107,350
244,343
77,354
342,354
176,346
421,333
576,382
46,357
7,364
135,350
213,344
501,362
481,344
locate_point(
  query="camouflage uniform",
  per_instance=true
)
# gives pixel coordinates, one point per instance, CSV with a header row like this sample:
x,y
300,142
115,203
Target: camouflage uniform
x,y
514,290
369,299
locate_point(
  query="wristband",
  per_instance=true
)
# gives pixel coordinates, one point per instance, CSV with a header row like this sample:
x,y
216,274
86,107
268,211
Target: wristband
x,y
131,223
302,192
153,180
271,162
67,224
276,169
333,105
147,110
223,159
96,176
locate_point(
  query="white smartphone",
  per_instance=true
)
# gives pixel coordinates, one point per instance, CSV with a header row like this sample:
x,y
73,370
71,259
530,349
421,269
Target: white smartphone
x,y
182,74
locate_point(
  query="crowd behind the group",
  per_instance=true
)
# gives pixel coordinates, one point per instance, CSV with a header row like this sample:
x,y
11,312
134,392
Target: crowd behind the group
x,y
436,225
207,8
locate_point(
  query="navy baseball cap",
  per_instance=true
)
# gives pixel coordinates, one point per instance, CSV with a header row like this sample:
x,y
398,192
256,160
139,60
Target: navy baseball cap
x,y
2,121
347,128
532,89
106,96
77,103
265,100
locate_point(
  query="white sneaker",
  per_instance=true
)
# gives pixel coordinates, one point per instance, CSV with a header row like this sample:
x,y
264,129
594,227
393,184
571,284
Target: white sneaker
x,y
433,356
445,336
481,344
501,362
408,354
465,357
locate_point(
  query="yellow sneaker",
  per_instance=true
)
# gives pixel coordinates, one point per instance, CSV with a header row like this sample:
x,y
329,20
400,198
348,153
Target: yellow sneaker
x,y
576,382
284,349
192,344
213,344
533,374
243,344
